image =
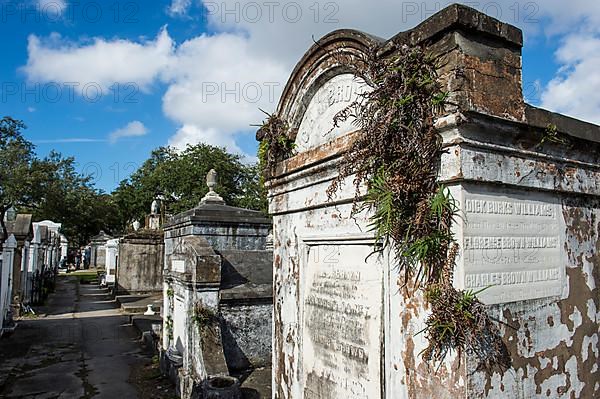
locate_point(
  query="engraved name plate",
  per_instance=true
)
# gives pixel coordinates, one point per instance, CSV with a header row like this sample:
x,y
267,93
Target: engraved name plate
x,y
512,244
342,333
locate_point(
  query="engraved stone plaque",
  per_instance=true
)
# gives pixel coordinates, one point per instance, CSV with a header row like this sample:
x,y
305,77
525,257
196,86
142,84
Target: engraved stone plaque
x,y
178,266
332,97
512,244
342,333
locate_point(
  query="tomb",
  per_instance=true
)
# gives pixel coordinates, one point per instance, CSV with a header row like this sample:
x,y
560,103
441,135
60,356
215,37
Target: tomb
x,y
112,260
97,250
217,297
21,230
9,246
343,328
141,257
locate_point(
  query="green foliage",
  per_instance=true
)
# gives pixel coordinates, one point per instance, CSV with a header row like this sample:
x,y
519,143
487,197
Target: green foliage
x,y
180,177
16,167
275,145
71,199
551,135
49,188
169,327
380,198
204,317
397,157
459,322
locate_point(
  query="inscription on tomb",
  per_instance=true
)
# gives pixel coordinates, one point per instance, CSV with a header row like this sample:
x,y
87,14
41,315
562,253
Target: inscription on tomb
x,y
342,323
317,127
512,244
178,266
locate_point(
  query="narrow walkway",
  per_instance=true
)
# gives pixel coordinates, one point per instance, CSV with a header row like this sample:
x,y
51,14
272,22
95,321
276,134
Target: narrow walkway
x,y
82,347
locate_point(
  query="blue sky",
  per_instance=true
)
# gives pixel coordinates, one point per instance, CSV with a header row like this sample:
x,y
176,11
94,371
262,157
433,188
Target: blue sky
x,y
108,81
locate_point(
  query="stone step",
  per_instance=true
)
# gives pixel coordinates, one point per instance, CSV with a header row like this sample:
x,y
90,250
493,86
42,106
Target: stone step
x,y
136,304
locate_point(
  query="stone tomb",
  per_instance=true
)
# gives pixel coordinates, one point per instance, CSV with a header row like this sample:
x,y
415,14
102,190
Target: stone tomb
x,y
528,229
22,230
98,250
217,296
112,260
54,246
9,247
140,265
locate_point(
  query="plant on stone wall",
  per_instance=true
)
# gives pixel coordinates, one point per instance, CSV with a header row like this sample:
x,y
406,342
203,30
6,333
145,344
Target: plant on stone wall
x,y
171,298
397,158
276,144
551,135
169,327
204,317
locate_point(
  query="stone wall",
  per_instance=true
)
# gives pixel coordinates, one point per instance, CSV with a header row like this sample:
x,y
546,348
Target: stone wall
x,y
342,326
140,266
246,304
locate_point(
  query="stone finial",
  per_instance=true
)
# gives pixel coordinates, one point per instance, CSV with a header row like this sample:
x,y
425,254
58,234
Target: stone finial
x,y
211,180
212,197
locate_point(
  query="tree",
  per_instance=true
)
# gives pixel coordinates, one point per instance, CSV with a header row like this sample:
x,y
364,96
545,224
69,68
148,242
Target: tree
x,y
16,159
69,198
180,178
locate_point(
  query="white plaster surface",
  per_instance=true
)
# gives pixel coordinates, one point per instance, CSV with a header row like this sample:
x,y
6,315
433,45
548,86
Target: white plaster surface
x,y
332,97
342,308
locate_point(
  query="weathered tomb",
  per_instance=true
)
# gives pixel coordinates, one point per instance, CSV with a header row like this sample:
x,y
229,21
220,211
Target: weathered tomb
x,y
54,247
112,260
529,228
141,258
37,261
64,248
22,230
140,266
98,250
217,294
9,246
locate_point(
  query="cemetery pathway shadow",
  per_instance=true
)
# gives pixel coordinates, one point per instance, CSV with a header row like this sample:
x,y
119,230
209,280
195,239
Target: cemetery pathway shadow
x,y
82,347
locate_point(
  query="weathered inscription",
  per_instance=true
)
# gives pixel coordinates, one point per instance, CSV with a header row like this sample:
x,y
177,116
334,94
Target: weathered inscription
x,y
178,266
316,127
512,246
342,323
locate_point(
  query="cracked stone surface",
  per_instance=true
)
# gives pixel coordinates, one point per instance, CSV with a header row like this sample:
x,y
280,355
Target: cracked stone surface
x,y
81,347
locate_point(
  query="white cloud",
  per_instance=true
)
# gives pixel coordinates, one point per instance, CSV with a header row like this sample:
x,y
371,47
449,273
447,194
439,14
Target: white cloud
x,y
211,89
31,109
190,134
99,62
52,8
179,7
133,129
212,80
576,88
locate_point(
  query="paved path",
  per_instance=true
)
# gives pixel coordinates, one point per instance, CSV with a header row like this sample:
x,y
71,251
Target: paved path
x,y
82,348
